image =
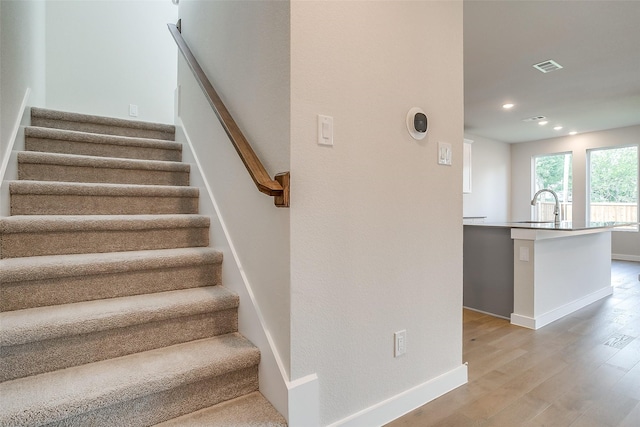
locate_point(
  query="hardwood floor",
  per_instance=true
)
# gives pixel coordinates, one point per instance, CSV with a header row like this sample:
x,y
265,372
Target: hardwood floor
x,y
582,370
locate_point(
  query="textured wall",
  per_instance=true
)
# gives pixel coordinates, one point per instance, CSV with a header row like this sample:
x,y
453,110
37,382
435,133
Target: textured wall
x,y
376,223
104,55
243,47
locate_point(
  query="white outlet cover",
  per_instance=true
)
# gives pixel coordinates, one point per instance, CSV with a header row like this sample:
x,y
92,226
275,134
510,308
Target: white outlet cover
x,y
400,343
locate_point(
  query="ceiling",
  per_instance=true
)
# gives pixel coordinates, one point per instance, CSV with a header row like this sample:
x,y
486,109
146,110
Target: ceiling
x,y
596,42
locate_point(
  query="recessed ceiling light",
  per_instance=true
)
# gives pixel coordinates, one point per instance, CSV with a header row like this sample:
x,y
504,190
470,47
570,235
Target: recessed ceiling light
x,y
507,106
557,128
542,123
573,132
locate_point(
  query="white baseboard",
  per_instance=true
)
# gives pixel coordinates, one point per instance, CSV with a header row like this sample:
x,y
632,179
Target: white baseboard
x,y
558,313
625,257
485,312
304,402
399,405
273,379
9,170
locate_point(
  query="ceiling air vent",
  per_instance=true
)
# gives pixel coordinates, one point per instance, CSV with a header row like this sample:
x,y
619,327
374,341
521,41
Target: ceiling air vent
x,y
547,66
534,119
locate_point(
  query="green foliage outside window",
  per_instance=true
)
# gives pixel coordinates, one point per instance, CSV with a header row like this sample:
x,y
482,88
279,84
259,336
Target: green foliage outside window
x,y
614,175
555,173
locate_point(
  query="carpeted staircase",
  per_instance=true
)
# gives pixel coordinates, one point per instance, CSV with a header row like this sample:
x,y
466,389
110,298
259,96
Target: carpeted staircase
x,y
112,310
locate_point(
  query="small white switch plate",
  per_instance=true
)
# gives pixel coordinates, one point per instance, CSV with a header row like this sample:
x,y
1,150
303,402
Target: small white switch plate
x,y
444,153
524,253
400,343
325,130
133,110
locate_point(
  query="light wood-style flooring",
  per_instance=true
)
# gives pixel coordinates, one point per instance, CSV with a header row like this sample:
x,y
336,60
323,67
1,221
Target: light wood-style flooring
x,y
582,370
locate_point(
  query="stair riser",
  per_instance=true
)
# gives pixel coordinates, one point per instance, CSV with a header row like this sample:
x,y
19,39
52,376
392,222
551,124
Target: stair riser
x,y
65,290
162,406
101,150
46,204
14,245
35,358
65,173
101,128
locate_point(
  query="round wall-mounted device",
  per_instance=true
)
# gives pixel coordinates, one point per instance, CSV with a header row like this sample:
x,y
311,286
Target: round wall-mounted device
x,y
417,124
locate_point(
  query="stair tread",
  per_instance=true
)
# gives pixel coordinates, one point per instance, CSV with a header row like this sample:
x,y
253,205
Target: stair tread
x,y
60,394
53,223
50,266
77,136
43,323
45,113
100,189
41,158
249,410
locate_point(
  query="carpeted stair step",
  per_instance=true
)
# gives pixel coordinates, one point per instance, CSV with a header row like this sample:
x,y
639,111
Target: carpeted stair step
x,y
45,339
91,144
42,117
36,235
138,389
72,198
62,279
249,410
73,168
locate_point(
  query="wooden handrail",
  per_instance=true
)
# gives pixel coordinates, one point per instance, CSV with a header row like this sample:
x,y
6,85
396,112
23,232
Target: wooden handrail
x,y
278,187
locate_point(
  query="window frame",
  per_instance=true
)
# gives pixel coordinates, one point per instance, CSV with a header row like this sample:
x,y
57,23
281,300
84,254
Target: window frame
x,y
534,171
588,153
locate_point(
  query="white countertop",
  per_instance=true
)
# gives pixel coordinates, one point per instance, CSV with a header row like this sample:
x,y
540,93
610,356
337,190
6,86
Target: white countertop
x,y
549,225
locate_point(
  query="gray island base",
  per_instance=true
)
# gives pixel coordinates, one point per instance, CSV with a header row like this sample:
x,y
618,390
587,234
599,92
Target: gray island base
x,y
536,273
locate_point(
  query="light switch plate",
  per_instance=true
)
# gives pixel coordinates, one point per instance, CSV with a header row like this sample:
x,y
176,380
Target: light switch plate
x,y
444,153
325,130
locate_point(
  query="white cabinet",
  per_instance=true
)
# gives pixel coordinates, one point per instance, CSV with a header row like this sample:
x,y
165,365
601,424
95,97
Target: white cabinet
x,y
466,166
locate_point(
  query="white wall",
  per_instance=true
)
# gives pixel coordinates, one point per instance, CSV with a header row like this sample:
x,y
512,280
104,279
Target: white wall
x,y
22,76
625,245
22,45
376,230
244,49
490,180
104,55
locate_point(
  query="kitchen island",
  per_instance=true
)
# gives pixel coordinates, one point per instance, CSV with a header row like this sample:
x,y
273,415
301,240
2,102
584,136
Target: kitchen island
x,y
536,272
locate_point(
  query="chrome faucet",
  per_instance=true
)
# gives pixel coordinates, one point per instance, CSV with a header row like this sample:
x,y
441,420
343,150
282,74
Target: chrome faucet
x,y
556,210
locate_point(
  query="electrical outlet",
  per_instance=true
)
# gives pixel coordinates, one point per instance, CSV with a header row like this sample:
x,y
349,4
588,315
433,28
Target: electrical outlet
x,y
400,343
133,110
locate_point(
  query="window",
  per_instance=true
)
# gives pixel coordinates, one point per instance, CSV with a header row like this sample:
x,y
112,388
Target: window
x,y
553,172
613,185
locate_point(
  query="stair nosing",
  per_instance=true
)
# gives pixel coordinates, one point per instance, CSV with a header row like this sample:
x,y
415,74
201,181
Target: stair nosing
x,y
58,223
46,158
24,187
56,395
94,264
79,318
